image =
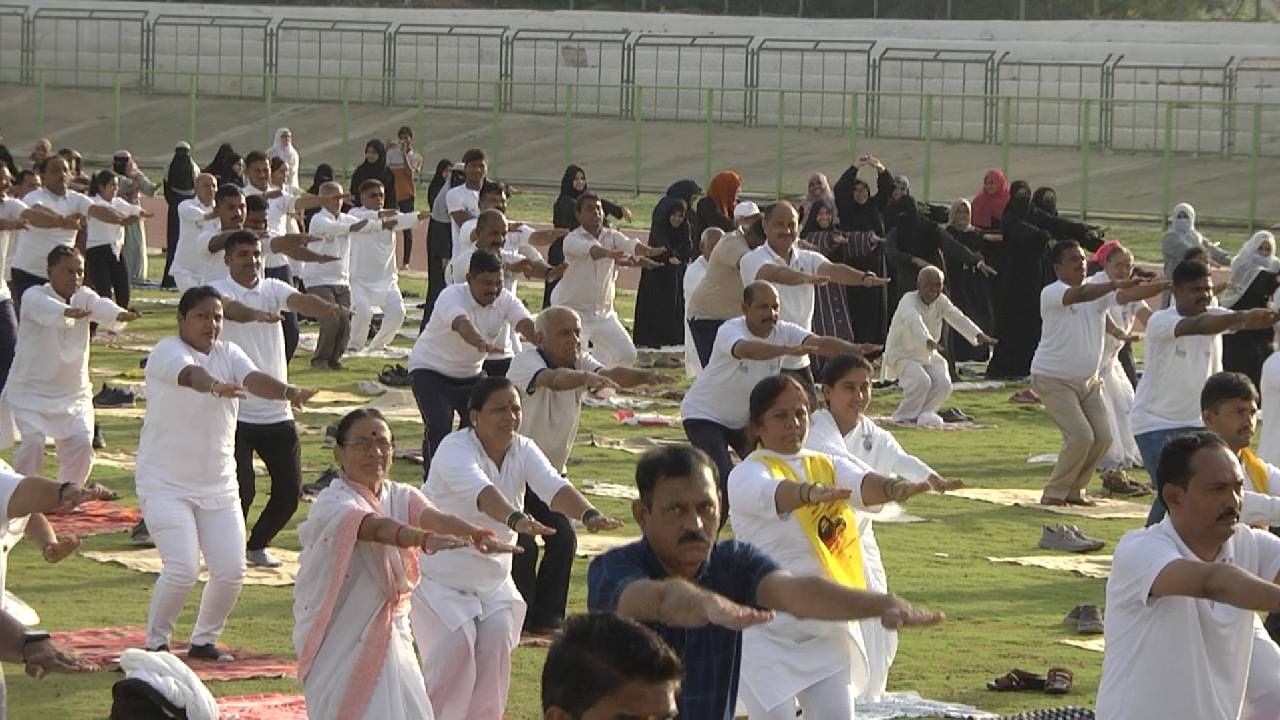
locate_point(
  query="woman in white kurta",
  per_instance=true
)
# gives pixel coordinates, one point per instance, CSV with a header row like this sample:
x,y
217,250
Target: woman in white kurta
x,y
1117,391
467,613
48,389
845,430
817,664
359,566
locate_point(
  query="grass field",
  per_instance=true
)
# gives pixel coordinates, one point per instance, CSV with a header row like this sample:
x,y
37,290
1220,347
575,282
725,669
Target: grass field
x,y
999,617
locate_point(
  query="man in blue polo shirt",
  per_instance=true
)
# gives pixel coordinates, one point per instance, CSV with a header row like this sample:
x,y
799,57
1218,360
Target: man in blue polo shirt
x,y
699,594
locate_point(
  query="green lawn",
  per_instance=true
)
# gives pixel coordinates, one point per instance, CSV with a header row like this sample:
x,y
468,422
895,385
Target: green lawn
x,y
999,617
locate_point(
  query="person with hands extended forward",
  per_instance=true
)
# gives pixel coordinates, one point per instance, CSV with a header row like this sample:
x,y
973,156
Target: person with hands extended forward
x,y
186,473
700,594
361,542
467,613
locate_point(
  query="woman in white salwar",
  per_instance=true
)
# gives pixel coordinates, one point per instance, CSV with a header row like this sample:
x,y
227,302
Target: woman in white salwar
x,y
358,568
798,506
844,429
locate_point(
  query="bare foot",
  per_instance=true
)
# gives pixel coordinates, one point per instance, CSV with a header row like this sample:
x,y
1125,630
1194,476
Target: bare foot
x,y
58,551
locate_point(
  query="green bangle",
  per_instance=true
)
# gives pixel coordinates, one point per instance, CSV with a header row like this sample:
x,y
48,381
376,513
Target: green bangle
x,y
514,519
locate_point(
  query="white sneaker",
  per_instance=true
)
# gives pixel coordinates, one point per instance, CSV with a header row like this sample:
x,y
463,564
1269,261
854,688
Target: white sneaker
x,y
930,420
261,558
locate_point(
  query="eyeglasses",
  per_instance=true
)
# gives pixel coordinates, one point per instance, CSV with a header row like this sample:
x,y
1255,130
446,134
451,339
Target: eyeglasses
x,y
364,445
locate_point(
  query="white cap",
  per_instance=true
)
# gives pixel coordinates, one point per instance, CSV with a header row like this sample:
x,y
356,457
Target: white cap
x,y
745,209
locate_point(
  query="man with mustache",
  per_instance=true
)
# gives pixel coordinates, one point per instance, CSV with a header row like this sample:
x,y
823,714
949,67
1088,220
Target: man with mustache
x,y
1183,348
699,594
1185,591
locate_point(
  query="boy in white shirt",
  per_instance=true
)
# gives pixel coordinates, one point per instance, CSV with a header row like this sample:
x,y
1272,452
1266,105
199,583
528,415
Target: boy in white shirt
x,y
103,241
1064,370
193,216
374,279
1186,591
1182,349
463,201
332,281
593,253
911,349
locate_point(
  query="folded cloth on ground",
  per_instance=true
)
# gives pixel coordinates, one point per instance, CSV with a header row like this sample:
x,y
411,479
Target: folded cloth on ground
x,y
148,561
977,385
634,445
590,545
1066,713
608,489
395,404
887,421
634,419
1106,509
270,706
172,678
1094,644
96,517
1045,458
105,646
892,513
1093,566
911,705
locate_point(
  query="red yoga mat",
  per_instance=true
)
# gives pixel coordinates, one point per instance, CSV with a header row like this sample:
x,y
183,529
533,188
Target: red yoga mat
x,y
105,645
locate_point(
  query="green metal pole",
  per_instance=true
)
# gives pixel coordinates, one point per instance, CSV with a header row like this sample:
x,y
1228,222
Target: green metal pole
x,y
422,107
637,135
853,126
40,97
928,147
1166,181
1085,131
191,111
267,93
568,124
782,126
711,117
346,131
495,140
1255,151
115,111
1006,106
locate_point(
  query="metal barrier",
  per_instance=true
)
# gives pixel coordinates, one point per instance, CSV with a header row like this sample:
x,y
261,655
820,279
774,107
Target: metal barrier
x,y
13,43
594,62
56,35
1131,124
451,65
687,64
225,54
348,60
921,72
842,66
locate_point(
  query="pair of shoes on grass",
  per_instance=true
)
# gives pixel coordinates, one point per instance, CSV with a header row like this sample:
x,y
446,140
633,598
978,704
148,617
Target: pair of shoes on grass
x,y
1086,619
1069,538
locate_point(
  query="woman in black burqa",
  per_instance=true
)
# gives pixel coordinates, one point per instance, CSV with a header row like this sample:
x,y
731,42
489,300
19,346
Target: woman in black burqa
x,y
659,318
564,214
179,185
374,167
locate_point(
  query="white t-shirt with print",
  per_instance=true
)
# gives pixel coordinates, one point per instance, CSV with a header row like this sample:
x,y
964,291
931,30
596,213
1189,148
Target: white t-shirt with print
x,y
1070,335
1174,373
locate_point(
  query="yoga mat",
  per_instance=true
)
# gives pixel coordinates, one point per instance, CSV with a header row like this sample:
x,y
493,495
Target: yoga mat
x,y
894,514
97,517
634,445
623,402
136,412
104,646
976,385
1045,459
1092,566
395,404
590,545
148,561
885,420
271,706
1097,643
911,705
610,490
1106,509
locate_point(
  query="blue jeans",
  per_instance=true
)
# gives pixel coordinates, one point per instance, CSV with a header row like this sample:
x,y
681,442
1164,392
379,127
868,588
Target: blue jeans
x,y
1150,444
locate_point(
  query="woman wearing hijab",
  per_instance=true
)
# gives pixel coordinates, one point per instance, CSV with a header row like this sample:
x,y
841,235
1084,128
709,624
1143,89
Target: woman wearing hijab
x,y
564,214
988,205
968,286
133,185
1017,288
444,169
659,319
324,174
716,209
819,189
1044,213
222,166
861,214
1254,274
284,149
831,316
1183,236
374,167
179,185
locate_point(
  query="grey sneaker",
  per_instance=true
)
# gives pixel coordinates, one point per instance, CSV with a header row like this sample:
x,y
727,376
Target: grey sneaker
x,y
139,537
1090,620
1056,538
261,558
1075,530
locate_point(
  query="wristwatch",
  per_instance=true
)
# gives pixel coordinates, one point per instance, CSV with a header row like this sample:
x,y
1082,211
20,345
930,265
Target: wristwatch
x,y
32,636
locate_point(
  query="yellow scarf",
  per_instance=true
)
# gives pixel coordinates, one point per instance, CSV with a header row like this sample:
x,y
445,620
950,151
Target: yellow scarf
x,y
832,528
1256,469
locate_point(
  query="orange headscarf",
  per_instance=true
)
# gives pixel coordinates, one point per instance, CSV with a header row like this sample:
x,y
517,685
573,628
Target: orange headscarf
x,y
723,190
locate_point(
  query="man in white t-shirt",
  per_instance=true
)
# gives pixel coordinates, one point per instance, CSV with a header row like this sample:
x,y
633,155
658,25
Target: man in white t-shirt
x,y
448,357
519,239
911,350
593,254
795,271
374,279
463,201
553,374
692,278
332,281
186,472
193,216
1183,593
1182,349
56,213
265,427
1064,369
747,350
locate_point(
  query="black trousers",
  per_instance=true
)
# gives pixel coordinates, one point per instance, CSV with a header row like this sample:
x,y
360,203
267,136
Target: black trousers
x,y
406,205
277,444
21,281
715,440
439,252
545,588
703,332
497,367
439,397
289,320
8,339
108,274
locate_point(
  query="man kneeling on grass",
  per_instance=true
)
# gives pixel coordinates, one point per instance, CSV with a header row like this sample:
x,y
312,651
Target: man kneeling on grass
x,y
699,594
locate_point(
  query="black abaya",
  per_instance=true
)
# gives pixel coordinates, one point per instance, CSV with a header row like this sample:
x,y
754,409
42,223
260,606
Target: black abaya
x,y
1244,351
865,224
970,290
1017,293
659,318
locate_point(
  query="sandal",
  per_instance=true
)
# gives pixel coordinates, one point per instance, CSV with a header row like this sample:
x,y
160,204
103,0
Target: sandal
x,y
1058,681
111,494
1017,679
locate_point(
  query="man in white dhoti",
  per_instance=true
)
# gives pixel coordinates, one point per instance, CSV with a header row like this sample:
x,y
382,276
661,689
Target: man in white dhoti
x,y
186,474
844,430
467,613
912,350
193,216
374,279
361,543
49,390
692,277
594,253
